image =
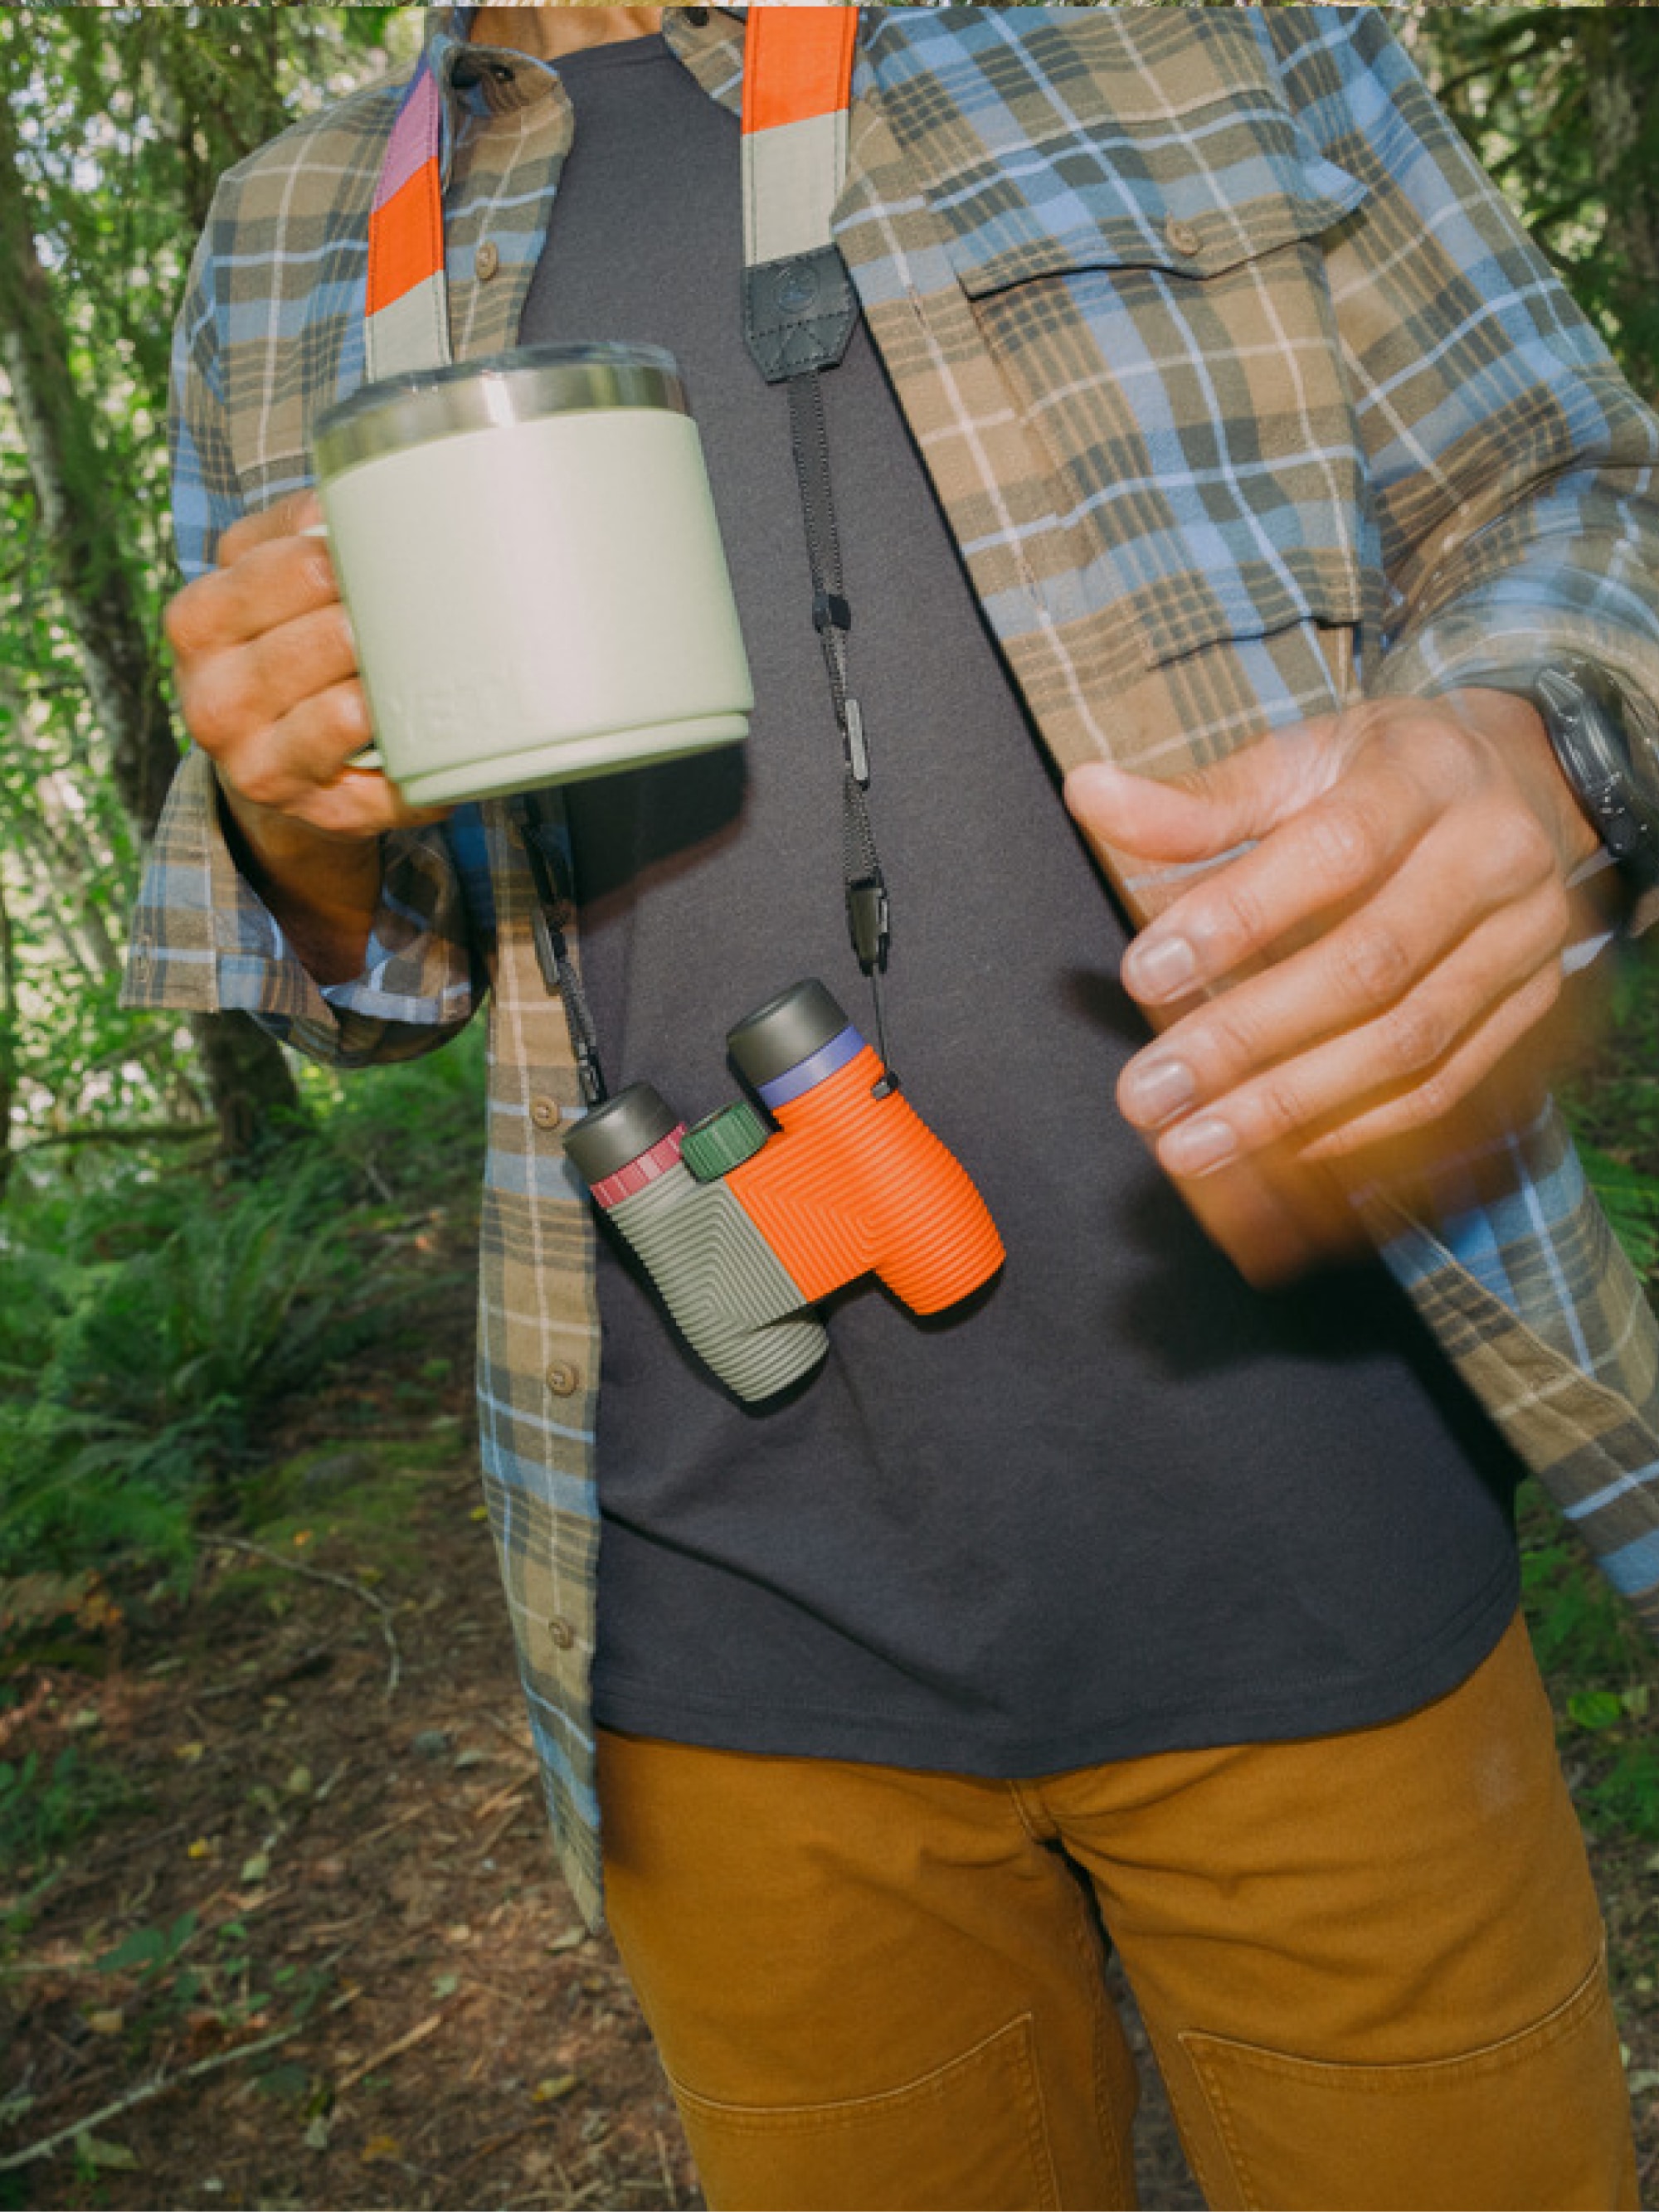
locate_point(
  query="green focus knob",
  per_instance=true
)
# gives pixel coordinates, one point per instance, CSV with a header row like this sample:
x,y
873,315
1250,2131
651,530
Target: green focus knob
x,y
722,1140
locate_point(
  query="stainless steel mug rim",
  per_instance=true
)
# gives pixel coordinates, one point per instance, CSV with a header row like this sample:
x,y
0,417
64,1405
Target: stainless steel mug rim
x,y
523,386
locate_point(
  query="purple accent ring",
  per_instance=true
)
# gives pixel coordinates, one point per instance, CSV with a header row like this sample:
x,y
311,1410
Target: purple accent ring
x,y
806,1074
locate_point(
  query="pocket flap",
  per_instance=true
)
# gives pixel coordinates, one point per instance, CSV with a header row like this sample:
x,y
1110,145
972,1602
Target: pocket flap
x,y
1087,142
1125,221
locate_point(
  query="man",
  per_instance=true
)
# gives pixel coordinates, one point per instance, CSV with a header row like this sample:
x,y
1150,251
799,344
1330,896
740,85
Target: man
x,y
1200,376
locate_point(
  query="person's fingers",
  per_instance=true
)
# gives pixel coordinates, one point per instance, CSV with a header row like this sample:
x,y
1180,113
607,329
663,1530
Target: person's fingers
x,y
1394,968
286,518
280,765
1333,854
1206,811
1348,846
230,698
271,584
1460,1074
1403,1061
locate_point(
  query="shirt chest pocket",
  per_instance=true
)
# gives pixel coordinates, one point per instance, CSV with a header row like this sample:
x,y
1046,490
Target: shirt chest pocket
x,y
1147,270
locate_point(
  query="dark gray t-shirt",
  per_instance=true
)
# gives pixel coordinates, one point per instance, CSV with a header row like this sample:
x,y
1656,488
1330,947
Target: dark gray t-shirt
x,y
1118,1504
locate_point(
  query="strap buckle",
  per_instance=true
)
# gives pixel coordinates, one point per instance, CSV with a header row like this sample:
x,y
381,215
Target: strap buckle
x,y
867,918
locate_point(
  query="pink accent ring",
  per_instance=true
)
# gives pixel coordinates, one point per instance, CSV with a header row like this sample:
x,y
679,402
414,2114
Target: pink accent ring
x,y
662,1156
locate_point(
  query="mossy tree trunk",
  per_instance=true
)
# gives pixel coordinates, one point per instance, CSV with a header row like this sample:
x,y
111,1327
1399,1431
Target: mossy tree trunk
x,y
248,1078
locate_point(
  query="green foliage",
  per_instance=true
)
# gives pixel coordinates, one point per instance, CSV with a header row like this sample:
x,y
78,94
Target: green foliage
x,y
150,1951
1601,1672
149,1323
1614,1108
42,1811
1630,1196
1558,103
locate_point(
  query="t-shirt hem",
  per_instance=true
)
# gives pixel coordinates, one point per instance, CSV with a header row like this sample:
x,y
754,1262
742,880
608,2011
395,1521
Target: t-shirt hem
x,y
1321,1707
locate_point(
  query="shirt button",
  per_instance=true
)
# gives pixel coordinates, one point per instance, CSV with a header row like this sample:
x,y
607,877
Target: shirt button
x,y
544,1113
561,1633
487,261
564,1380
1184,237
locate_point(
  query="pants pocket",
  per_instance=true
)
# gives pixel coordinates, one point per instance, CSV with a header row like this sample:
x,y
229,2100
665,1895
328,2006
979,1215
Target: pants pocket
x,y
1540,2119
967,2133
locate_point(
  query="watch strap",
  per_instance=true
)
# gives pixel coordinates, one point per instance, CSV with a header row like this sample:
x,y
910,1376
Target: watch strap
x,y
1583,711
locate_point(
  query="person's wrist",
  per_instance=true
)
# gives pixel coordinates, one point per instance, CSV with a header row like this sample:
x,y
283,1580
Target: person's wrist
x,y
322,888
1512,723
276,848
1606,761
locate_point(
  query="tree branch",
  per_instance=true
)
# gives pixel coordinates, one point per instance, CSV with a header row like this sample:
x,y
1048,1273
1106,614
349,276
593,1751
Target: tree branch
x,y
157,2086
369,1597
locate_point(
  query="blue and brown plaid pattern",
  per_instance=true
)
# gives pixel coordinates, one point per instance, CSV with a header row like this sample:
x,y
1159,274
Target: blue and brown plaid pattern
x,y
1242,393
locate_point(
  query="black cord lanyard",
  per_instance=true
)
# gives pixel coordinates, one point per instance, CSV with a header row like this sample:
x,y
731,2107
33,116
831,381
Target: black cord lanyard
x,y
868,908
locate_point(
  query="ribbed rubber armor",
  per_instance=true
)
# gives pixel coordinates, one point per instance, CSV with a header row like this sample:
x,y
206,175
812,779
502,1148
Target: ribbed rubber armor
x,y
732,1298
856,1183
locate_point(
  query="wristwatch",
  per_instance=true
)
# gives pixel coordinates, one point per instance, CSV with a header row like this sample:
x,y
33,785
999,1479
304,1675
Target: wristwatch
x,y
1615,781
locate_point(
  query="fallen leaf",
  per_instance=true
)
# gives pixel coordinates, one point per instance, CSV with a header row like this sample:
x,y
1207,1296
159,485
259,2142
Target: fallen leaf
x,y
572,1939
554,2087
460,1933
190,1753
199,1849
256,1868
479,1513
316,2134
301,1538
379,2147
112,2156
106,2023
299,1781
444,1985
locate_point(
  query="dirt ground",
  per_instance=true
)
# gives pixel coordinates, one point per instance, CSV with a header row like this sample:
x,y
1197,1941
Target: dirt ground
x,y
338,1968
334,1943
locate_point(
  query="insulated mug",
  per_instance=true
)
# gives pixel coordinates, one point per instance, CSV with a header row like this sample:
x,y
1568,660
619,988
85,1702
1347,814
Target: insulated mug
x,y
528,552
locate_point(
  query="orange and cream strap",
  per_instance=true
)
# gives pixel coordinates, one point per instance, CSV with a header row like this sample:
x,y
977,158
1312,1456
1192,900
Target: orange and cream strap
x,y
798,71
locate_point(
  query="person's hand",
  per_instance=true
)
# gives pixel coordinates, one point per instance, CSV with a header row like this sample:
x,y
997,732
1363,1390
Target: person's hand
x,y
269,687
1392,934
268,684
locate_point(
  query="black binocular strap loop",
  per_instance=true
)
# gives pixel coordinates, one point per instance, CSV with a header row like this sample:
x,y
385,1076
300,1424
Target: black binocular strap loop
x,y
545,851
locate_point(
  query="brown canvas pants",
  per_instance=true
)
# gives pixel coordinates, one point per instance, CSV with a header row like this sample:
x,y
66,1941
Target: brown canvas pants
x,y
1371,1966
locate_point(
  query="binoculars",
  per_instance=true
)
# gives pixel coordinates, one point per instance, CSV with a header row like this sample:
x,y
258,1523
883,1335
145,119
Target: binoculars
x,y
743,1225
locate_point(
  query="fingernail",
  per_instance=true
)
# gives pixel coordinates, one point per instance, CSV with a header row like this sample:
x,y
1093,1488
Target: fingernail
x,y
1156,1091
1197,1147
1160,969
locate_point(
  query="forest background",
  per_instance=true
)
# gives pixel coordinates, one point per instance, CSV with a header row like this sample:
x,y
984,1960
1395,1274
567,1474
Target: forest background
x,y
194,1227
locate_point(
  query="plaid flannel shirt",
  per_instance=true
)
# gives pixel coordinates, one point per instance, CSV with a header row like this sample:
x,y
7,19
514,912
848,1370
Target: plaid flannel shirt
x,y
1239,387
